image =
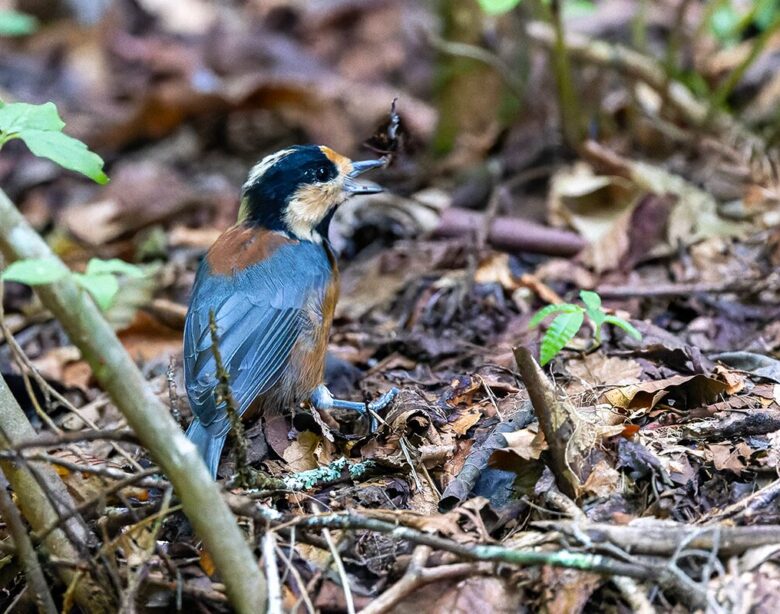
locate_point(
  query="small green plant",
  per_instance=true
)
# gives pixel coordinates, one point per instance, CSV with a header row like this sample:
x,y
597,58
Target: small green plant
x,y
571,8
729,20
14,23
569,321
100,278
40,127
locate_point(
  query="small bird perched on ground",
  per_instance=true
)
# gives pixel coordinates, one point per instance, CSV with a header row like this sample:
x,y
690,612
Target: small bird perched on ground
x,y
271,282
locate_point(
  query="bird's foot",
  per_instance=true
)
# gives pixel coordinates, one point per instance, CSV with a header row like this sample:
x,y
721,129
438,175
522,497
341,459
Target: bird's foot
x,y
323,400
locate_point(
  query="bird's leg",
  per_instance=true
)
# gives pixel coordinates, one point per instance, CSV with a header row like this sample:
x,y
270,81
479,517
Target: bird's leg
x,y
323,400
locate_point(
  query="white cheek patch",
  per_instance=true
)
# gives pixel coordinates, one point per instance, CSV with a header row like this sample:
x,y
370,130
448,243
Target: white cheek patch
x,y
310,205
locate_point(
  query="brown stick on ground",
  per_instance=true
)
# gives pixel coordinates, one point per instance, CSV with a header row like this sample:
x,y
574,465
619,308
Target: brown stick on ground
x,y
554,418
509,233
663,538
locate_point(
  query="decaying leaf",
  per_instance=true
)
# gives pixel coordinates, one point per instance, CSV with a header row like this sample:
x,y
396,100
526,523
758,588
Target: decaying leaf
x,y
689,390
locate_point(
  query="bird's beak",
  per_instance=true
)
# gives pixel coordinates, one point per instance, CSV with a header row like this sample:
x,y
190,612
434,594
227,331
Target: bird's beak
x,y
358,168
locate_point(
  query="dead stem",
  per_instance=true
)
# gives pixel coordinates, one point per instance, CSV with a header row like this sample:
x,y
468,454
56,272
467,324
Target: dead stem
x,y
224,395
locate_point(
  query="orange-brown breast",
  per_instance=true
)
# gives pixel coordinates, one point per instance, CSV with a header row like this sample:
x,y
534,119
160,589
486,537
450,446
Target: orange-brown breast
x,y
307,358
242,246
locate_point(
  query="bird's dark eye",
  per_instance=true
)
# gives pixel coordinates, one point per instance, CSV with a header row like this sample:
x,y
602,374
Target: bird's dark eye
x,y
321,173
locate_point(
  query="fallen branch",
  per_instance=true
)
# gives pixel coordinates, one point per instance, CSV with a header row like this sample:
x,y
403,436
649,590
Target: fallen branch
x,y
146,415
417,576
554,417
476,462
670,290
584,561
747,509
511,233
663,538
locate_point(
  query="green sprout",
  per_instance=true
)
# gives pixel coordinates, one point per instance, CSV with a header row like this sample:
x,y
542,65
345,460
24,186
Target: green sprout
x,y
100,278
40,127
569,321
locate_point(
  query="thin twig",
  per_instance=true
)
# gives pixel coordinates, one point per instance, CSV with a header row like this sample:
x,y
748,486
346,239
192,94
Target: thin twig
x,y
224,395
134,583
26,553
272,574
341,571
299,581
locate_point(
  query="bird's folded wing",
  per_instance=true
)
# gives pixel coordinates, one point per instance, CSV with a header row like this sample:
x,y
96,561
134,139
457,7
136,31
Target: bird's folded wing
x,y
259,319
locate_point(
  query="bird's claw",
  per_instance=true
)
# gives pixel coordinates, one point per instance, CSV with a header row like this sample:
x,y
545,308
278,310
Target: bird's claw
x,y
323,400
379,404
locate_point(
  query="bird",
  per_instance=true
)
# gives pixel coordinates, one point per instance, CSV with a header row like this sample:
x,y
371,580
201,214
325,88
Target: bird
x,y
270,283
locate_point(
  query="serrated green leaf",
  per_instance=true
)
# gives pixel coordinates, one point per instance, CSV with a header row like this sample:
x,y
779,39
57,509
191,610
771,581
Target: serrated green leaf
x,y
17,117
40,127
34,272
626,326
66,151
561,331
14,23
498,7
550,309
103,287
96,266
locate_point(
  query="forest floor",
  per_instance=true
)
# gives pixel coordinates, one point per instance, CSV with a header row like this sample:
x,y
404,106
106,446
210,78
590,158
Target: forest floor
x,y
630,474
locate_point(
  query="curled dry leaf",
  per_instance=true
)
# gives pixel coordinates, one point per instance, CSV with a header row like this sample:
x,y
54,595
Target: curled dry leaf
x,y
691,390
527,443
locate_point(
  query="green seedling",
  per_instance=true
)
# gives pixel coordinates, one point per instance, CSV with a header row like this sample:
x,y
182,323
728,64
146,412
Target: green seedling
x,y
569,321
40,127
14,23
100,278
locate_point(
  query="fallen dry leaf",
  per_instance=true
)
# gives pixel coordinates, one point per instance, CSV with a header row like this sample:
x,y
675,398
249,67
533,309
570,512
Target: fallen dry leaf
x,y
691,390
603,480
527,443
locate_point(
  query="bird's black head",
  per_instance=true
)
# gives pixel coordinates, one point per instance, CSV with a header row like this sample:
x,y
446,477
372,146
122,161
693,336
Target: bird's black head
x,y
296,190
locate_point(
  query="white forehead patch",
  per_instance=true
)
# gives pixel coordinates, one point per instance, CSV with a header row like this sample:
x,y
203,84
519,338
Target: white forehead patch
x,y
259,169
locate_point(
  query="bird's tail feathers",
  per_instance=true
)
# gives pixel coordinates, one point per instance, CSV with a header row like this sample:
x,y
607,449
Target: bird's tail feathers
x,y
210,447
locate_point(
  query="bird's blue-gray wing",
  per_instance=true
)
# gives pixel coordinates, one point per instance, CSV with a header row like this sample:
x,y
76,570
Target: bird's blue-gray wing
x,y
259,315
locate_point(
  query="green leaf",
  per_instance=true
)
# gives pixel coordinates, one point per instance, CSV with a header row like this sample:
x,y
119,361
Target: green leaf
x,y
593,308
592,300
40,127
546,311
66,151
498,7
766,11
34,272
561,331
14,23
96,266
578,8
724,22
102,287
626,326
18,116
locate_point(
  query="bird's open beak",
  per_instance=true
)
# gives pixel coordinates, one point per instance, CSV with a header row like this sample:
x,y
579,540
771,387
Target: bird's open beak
x,y
358,168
